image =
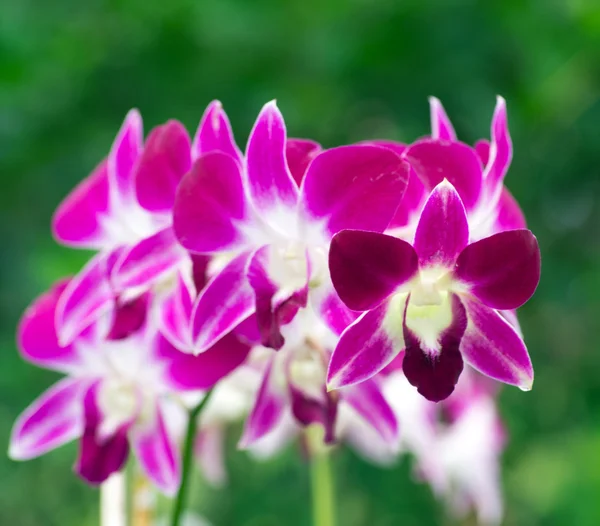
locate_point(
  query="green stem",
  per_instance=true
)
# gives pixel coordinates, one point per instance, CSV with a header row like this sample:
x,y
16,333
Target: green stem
x,y
186,460
322,489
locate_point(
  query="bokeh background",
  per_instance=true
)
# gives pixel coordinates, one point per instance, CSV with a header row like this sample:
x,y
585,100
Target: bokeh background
x,y
341,71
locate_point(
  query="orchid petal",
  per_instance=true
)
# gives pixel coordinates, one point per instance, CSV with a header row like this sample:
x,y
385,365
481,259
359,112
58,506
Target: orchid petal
x,y
368,401
210,204
86,297
268,409
146,262
52,420
434,161
128,317
270,182
209,451
157,453
184,371
165,160
78,219
435,372
335,314
441,127
37,337
364,349
443,230
227,300
502,270
354,187
500,154
367,267
98,459
308,410
493,347
482,147
299,153
510,215
413,200
122,158
175,314
214,134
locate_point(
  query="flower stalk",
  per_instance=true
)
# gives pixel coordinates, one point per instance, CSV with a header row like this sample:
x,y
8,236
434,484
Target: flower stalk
x,y
186,460
321,479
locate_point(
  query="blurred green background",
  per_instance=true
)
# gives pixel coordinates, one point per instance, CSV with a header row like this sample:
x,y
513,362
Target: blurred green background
x,y
341,71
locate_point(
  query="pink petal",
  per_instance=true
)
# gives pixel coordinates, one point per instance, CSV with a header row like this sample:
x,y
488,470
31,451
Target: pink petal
x,y
482,147
77,220
209,451
367,267
267,412
368,401
299,153
99,459
214,134
443,230
271,311
184,371
494,348
146,262
88,296
54,419
122,158
500,154
308,410
435,373
227,300
510,216
270,182
37,337
209,205
441,127
128,317
175,314
356,187
412,202
165,160
434,161
157,453
364,349
502,270
335,314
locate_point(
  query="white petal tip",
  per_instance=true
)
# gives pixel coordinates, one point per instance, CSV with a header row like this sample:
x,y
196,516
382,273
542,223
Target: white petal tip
x,y
526,386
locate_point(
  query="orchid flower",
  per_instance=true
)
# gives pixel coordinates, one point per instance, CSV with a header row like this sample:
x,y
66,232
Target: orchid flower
x,y
121,376
437,300
123,211
268,218
477,173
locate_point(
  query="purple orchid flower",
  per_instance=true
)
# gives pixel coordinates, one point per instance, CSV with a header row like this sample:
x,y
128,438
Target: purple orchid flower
x,y
437,300
268,218
477,173
122,210
121,375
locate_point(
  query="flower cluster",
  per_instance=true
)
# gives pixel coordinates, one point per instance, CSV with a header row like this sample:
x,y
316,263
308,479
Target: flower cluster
x,y
348,287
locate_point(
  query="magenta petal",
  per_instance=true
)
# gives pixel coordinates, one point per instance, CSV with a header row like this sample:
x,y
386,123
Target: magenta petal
x,y
99,459
122,158
128,317
441,127
267,412
209,205
435,374
147,261
434,161
412,202
510,216
335,314
500,154
502,270
37,338
214,134
227,300
366,267
272,312
270,182
87,296
157,453
364,349
368,401
185,371
52,420
307,410
354,187
299,153
175,315
482,147
443,230
494,348
77,220
165,160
